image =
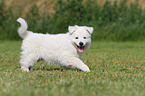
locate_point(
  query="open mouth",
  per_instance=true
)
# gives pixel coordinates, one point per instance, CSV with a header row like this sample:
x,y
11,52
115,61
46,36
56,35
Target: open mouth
x,y
80,48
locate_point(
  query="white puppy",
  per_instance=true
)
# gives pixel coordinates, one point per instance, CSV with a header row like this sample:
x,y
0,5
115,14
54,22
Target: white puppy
x,y
60,49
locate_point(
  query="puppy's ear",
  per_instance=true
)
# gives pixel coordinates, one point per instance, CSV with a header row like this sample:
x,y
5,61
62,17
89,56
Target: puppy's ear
x,y
90,29
71,29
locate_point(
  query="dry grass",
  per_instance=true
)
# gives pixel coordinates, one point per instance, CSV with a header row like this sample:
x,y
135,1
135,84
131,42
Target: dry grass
x,y
25,5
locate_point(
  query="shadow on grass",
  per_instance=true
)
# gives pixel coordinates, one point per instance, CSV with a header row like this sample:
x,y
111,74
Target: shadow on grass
x,y
50,69
55,69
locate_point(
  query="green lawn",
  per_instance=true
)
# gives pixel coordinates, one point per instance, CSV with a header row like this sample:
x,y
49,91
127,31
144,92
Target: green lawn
x,y
117,69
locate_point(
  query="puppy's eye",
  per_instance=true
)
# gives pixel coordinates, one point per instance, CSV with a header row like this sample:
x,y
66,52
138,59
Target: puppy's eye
x,y
77,37
85,37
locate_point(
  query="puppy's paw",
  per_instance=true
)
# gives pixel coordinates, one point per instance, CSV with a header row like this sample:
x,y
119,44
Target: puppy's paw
x,y
85,68
26,70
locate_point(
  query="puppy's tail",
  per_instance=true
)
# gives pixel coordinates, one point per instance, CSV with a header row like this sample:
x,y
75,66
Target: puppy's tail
x,y
22,30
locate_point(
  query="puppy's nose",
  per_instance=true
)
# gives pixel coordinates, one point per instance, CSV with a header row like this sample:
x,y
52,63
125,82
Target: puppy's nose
x,y
81,43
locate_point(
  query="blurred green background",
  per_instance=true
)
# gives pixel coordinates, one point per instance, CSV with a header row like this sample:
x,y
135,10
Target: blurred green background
x,y
113,20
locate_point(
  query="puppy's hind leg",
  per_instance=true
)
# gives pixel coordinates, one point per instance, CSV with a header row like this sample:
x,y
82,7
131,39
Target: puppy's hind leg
x,y
27,61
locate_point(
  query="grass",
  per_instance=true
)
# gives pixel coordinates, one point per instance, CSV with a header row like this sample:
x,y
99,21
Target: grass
x,y
117,69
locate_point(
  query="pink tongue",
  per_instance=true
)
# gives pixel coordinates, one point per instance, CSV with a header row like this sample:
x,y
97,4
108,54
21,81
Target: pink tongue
x,y
80,50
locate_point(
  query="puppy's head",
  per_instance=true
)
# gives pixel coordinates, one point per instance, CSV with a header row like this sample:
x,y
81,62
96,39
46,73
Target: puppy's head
x,y
81,37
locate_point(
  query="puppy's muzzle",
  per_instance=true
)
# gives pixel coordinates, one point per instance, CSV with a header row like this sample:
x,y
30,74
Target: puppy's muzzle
x,y
81,43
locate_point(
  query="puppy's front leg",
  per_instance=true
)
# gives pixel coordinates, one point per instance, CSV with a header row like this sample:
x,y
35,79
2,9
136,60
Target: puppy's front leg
x,y
75,62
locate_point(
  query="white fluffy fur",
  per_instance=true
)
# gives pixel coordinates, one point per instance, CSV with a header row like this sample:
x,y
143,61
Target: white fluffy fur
x,y
59,49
